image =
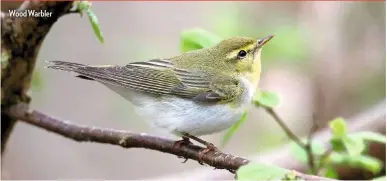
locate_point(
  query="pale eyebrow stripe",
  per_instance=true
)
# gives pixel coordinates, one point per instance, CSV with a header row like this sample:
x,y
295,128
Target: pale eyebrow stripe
x,y
234,53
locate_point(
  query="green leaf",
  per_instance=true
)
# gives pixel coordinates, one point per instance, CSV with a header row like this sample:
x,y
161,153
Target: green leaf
x,y
256,171
233,129
291,176
369,136
360,161
300,154
339,127
370,163
337,144
95,24
354,146
197,38
82,6
380,178
330,172
85,6
267,99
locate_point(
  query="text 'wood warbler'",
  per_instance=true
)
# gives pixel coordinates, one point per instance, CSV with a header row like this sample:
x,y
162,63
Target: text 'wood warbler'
x,y
197,93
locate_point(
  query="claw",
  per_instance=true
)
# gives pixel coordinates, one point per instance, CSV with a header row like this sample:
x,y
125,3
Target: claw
x,y
186,159
210,148
177,144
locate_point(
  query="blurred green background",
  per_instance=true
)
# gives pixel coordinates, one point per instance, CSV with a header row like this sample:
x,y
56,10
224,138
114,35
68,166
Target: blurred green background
x,y
326,57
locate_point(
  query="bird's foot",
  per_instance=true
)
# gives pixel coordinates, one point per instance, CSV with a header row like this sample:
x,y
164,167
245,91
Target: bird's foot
x,y
184,141
177,144
209,148
185,159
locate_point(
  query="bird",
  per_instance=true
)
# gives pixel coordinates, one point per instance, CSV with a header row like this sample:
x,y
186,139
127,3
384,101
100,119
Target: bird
x,y
197,93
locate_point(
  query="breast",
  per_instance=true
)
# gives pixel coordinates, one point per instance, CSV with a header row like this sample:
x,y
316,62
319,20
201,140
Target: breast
x,y
178,115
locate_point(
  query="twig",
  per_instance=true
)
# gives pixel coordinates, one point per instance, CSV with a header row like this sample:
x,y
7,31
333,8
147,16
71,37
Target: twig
x,y
305,146
287,130
127,139
308,146
322,158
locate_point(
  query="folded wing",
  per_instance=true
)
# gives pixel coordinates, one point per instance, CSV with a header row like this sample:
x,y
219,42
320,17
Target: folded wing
x,y
156,76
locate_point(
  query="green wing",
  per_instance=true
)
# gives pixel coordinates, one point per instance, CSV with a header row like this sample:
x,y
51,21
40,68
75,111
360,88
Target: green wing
x,y
157,77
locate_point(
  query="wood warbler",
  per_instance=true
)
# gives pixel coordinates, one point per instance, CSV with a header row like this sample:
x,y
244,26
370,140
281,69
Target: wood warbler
x,y
197,93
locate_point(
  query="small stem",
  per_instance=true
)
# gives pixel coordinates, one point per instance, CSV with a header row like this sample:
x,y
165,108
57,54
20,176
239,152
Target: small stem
x,y
306,146
310,158
325,155
287,130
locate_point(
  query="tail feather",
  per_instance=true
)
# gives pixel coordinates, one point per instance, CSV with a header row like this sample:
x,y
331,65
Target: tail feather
x,y
67,66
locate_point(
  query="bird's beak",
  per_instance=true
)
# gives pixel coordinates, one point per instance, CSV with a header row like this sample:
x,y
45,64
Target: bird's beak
x,y
264,40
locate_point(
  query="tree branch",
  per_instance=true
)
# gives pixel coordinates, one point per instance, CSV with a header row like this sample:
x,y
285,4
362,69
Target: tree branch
x,y
127,139
122,138
21,38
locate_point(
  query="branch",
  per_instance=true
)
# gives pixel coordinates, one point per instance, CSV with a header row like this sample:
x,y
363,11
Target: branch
x,y
127,139
122,138
21,39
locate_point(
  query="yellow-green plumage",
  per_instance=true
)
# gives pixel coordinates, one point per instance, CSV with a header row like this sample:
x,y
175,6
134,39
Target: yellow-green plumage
x,y
199,92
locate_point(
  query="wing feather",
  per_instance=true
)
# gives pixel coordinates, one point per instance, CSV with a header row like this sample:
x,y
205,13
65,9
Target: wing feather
x,y
157,76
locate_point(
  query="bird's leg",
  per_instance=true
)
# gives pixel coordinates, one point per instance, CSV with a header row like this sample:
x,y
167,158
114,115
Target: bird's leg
x,y
177,144
209,147
205,143
183,141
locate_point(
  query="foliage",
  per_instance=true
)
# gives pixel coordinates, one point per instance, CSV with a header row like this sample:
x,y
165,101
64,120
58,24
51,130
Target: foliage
x,y
197,38
380,178
347,149
85,6
257,171
266,99
300,153
358,161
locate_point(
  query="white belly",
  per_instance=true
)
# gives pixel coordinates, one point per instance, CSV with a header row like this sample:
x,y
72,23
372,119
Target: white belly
x,y
178,115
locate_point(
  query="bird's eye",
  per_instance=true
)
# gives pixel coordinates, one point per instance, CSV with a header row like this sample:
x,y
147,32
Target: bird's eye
x,y
242,54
